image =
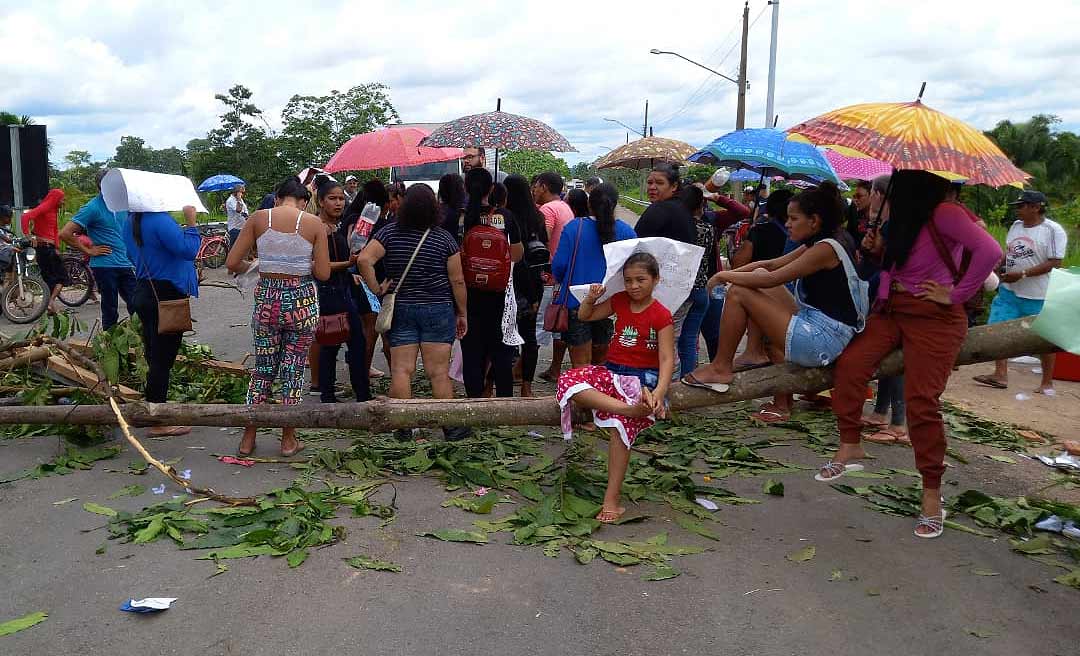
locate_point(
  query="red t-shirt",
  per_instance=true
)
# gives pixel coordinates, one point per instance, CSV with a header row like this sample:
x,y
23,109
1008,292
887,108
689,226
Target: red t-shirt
x,y
636,340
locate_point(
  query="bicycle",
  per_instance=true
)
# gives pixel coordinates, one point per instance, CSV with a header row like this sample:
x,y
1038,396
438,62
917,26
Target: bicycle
x,y
212,251
81,280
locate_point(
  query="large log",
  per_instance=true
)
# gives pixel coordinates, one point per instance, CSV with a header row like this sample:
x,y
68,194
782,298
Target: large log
x,y
1004,340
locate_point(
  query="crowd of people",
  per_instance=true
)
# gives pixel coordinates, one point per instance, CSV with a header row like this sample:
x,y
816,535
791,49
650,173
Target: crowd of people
x,y
488,263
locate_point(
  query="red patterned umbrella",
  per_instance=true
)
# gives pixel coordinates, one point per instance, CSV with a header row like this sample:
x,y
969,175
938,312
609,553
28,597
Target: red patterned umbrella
x,y
499,130
391,146
857,168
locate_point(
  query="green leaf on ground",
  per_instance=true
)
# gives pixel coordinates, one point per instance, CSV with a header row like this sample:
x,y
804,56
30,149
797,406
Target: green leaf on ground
x,y
696,527
1005,459
240,551
133,490
297,557
984,572
775,488
456,535
63,501
803,555
1072,579
363,562
836,575
1040,544
98,509
661,573
981,633
25,622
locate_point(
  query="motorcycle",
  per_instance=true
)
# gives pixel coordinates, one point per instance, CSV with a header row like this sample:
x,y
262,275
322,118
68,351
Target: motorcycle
x,y
23,295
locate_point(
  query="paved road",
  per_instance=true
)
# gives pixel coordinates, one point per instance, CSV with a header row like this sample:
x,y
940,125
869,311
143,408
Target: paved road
x,y
907,596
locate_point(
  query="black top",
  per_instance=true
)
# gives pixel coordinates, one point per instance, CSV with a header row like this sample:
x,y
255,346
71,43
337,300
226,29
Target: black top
x,y
338,247
667,218
828,291
451,220
768,238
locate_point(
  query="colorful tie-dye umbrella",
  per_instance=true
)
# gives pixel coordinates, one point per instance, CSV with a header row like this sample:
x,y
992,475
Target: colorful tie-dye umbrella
x,y
913,136
645,153
500,130
768,152
391,146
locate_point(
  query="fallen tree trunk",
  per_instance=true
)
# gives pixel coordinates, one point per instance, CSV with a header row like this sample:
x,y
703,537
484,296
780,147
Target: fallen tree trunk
x,y
983,344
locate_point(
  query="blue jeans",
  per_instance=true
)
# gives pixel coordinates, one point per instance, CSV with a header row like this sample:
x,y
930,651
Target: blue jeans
x,y
814,339
430,323
113,282
355,357
649,377
688,337
710,326
890,395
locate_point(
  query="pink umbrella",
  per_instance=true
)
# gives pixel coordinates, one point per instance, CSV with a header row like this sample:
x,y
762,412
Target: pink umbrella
x,y
857,168
391,146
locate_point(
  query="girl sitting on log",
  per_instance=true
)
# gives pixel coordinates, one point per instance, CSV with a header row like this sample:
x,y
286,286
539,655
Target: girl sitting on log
x,y
810,328
628,392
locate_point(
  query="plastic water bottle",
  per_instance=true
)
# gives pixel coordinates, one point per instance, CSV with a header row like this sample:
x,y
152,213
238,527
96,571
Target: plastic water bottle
x,y
719,293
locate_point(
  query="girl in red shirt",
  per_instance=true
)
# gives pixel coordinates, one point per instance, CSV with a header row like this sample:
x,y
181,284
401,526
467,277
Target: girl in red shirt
x,y
628,393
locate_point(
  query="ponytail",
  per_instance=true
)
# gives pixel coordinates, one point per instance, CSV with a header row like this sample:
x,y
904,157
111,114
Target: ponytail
x,y
136,228
602,202
824,201
478,184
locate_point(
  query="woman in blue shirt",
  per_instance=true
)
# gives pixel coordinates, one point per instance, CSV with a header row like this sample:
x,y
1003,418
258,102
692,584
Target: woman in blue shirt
x,y
588,340
163,255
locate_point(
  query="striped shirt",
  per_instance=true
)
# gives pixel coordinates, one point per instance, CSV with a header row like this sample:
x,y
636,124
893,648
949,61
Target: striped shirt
x,y
428,281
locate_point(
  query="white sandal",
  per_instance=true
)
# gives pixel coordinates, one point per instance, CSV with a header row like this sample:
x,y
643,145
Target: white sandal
x,y
936,524
833,470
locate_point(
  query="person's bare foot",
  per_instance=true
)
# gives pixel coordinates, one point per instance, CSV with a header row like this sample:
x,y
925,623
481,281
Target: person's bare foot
x,y
931,508
290,446
526,389
708,374
610,515
1072,447
168,431
874,419
849,452
1046,390
247,442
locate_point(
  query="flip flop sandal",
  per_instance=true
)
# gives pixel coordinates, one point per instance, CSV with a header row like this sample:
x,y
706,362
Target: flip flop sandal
x,y
770,416
748,366
903,438
245,454
873,424
882,437
609,516
935,523
300,446
548,377
691,380
833,470
990,382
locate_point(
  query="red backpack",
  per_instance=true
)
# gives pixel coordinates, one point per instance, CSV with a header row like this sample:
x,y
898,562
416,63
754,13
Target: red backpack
x,y
485,258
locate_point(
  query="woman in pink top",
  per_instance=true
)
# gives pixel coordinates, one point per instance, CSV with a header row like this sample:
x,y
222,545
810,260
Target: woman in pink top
x,y
921,310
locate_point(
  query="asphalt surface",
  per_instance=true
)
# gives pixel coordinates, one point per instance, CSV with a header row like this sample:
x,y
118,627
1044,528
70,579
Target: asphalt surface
x,y
897,594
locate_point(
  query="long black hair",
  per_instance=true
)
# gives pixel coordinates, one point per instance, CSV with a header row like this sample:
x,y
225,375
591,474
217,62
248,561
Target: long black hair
x,y
912,199
578,201
519,201
478,184
824,201
693,198
602,201
452,191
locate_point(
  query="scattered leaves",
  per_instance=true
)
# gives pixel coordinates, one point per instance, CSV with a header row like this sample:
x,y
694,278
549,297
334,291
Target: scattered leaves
x,y
24,622
802,555
775,488
363,562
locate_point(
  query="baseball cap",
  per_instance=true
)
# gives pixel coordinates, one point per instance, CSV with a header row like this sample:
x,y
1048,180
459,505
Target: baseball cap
x,y
350,178
749,189
1030,196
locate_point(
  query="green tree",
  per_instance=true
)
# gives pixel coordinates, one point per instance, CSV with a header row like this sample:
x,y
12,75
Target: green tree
x,y
531,162
316,126
7,118
1051,156
581,171
132,153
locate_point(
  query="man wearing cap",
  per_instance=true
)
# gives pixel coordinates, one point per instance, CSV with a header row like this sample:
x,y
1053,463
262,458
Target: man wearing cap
x,y
351,185
1034,247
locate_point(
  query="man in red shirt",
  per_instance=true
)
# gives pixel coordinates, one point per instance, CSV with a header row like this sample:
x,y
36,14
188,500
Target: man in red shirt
x,y
40,224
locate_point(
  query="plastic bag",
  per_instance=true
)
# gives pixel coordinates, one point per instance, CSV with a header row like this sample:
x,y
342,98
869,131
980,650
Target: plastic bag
x,y
1061,312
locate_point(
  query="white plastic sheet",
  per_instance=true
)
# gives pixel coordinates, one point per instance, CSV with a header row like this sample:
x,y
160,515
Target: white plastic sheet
x,y
142,191
678,261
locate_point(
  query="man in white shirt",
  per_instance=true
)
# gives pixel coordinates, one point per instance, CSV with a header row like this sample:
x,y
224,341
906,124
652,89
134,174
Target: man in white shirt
x,y
351,185
1034,247
237,212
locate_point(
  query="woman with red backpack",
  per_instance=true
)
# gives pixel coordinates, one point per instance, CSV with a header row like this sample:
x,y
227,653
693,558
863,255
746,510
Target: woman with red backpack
x,y
491,245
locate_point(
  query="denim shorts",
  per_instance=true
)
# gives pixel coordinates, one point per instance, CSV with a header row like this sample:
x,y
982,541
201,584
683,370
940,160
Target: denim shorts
x,y
814,339
1008,306
648,377
580,332
430,323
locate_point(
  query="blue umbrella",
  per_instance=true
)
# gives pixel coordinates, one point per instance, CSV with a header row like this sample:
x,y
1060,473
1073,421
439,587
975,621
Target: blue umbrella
x,y
767,152
220,182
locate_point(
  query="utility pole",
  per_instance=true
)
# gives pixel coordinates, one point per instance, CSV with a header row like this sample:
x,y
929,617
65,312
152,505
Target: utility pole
x,y
740,114
645,127
771,96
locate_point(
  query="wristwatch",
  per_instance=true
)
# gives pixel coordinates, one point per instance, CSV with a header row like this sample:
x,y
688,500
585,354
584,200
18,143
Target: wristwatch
x,y
1023,274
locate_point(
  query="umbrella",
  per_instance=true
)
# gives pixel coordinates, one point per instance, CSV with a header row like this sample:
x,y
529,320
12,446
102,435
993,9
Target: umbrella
x,y
857,168
498,129
390,146
643,153
768,152
220,182
914,136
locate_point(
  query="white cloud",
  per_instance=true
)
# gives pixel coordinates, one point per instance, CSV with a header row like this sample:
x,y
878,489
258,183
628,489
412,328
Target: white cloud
x,y
95,71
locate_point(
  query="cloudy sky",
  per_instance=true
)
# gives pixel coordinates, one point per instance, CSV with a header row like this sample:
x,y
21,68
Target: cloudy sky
x,y
94,71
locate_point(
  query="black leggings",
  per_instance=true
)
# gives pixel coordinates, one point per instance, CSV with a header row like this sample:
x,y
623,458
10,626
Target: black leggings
x,y
161,350
530,350
483,345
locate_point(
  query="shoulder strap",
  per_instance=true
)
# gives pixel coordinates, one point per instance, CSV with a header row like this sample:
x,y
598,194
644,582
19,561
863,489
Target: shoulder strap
x,y
856,285
565,291
408,266
299,216
943,252
270,217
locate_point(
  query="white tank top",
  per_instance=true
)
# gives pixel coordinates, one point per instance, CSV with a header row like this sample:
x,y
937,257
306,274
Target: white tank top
x,y
285,253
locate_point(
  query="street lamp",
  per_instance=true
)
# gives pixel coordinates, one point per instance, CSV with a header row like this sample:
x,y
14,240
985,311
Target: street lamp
x,y
635,131
741,82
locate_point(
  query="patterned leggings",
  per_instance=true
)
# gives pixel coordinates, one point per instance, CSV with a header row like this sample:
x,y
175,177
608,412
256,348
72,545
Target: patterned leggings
x,y
283,325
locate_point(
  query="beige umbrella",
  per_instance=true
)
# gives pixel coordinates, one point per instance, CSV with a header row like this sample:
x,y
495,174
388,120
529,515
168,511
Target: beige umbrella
x,y
646,153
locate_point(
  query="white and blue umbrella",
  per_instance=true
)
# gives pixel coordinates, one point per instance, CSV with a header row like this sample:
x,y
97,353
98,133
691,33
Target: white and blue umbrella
x,y
220,182
769,153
